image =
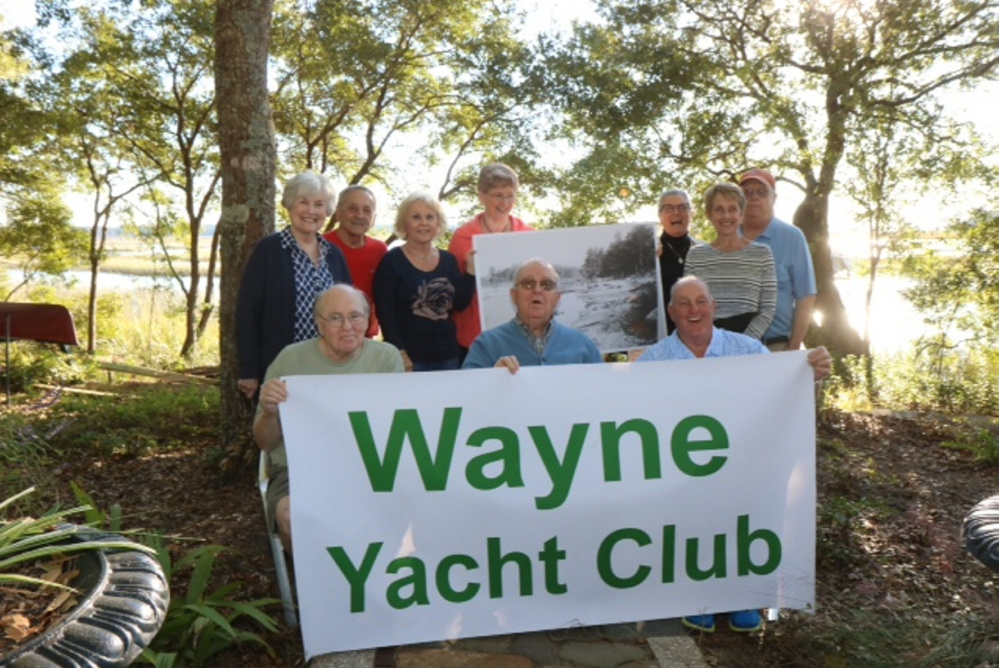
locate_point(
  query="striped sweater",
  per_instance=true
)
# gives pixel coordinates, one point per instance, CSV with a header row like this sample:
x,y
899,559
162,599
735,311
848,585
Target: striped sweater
x,y
742,281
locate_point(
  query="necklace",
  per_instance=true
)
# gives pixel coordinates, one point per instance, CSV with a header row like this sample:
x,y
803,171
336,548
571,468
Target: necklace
x,y
419,256
679,257
489,230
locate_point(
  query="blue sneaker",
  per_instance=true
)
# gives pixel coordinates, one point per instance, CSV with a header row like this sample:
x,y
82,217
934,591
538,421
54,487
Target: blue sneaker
x,y
702,623
745,621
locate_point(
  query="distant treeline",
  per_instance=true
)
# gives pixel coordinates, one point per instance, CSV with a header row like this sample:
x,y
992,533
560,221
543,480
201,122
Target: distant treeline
x,y
626,256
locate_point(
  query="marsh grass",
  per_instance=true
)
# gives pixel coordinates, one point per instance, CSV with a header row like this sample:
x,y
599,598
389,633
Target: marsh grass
x,y
142,327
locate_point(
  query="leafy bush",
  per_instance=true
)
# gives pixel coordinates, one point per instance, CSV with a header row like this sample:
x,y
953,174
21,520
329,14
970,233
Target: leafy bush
x,y
150,418
200,624
32,363
954,382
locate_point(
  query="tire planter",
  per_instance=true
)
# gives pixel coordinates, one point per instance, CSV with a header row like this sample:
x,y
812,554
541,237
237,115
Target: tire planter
x,y
123,602
980,530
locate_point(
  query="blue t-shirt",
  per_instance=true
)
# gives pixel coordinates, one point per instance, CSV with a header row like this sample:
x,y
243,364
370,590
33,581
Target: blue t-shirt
x,y
795,275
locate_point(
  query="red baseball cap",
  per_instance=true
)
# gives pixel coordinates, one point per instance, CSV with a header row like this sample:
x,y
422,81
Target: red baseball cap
x,y
761,175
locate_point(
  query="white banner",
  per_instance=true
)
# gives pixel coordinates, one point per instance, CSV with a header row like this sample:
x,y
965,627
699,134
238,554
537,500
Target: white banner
x,y
432,506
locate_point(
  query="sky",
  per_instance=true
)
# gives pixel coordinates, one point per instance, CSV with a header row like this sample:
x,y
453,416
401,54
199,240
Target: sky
x,y
16,13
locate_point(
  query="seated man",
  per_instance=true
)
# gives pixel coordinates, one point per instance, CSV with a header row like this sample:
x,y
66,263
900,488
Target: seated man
x,y
693,310
341,315
532,337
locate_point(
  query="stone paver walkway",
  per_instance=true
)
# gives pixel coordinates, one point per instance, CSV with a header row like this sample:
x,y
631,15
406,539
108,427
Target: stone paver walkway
x,y
657,644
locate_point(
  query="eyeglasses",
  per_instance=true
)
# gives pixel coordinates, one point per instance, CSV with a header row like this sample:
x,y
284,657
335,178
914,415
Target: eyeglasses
x,y
755,193
339,321
675,208
531,284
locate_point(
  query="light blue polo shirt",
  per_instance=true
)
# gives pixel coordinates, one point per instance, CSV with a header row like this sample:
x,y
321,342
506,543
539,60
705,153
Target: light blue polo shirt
x,y
795,274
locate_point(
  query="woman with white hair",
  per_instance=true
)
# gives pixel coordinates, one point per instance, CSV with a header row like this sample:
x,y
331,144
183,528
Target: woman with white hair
x,y
282,277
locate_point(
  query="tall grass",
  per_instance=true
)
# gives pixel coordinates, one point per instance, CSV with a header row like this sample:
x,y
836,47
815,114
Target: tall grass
x,y
142,327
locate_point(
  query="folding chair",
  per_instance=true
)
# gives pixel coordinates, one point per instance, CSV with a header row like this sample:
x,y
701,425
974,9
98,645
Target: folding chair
x,y
277,550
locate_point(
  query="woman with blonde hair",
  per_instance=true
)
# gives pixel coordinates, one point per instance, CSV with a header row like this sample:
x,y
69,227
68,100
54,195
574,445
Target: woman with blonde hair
x,y
418,287
740,273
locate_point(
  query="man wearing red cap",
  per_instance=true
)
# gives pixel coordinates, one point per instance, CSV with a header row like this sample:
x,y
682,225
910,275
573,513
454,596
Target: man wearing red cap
x,y
795,275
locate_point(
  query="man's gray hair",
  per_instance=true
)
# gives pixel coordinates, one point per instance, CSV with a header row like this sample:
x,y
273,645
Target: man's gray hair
x,y
346,288
534,260
357,187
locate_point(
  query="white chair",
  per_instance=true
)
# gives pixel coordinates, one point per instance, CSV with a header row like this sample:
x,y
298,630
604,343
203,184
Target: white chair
x,y
277,550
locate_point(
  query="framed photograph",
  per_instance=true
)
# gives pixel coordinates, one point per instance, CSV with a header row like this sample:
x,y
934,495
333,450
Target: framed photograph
x,y
608,279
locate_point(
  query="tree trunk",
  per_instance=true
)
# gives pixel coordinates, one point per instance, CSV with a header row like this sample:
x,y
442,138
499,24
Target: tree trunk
x,y
95,268
812,216
209,302
248,154
98,239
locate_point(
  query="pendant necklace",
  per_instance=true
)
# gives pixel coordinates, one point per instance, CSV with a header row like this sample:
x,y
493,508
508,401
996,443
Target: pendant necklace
x,y
679,258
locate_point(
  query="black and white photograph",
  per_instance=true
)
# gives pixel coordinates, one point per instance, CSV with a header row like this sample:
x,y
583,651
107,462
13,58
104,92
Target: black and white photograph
x,y
607,278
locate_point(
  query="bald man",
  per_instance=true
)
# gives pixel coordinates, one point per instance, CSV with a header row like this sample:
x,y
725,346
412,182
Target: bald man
x,y
532,338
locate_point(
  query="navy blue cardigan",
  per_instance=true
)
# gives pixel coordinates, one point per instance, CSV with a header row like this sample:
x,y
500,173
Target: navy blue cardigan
x,y
265,308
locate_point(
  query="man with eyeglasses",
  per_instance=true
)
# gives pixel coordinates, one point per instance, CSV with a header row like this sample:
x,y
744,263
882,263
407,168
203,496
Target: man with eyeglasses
x,y
674,242
341,315
532,337
792,261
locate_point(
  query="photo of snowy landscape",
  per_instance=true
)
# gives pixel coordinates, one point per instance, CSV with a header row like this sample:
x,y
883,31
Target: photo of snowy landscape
x,y
607,276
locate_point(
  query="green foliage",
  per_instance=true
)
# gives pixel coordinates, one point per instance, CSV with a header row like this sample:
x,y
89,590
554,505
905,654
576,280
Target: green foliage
x,y
25,540
981,442
39,234
669,94
854,636
149,419
973,642
957,382
25,457
94,516
32,363
143,327
201,623
959,295
453,74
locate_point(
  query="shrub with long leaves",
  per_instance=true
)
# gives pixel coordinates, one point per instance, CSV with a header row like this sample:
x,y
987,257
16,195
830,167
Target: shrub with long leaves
x,y
24,540
202,623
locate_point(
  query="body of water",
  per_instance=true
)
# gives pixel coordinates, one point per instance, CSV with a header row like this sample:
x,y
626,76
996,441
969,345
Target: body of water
x,y
894,322
108,281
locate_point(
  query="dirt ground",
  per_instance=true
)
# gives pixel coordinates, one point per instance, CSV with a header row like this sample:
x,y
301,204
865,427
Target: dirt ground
x,y
891,502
